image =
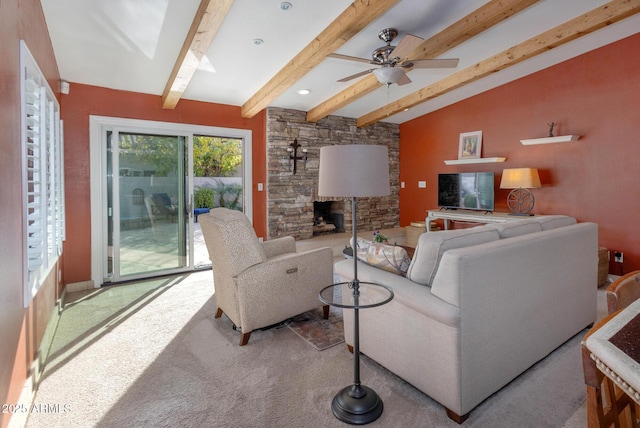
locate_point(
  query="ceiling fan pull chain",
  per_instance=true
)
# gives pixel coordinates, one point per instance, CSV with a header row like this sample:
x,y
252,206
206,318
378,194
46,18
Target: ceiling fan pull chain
x,y
388,101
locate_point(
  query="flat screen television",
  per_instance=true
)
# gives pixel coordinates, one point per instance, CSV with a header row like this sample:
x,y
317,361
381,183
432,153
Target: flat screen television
x,y
466,190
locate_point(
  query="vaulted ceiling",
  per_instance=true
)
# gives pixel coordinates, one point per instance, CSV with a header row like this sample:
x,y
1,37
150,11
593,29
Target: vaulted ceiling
x,y
257,54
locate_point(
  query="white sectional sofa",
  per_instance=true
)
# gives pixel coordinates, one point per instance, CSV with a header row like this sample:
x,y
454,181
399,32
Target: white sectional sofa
x,y
479,306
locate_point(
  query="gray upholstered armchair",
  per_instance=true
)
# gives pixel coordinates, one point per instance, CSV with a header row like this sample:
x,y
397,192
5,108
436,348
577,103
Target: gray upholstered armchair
x,y
258,284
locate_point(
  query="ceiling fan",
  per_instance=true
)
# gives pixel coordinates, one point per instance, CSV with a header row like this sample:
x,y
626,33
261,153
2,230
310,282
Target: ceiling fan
x,y
392,60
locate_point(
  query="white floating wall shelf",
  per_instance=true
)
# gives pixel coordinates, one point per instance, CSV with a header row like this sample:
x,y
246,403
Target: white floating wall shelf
x,y
549,140
477,160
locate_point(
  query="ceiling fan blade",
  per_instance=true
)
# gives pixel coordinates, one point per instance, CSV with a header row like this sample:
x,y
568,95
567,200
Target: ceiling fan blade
x,y
349,58
403,80
406,46
430,63
353,76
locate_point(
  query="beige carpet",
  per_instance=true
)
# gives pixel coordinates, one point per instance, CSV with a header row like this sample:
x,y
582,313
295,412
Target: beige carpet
x,y
152,355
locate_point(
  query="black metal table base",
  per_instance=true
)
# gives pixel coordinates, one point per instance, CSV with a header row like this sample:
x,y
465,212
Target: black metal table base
x,y
357,405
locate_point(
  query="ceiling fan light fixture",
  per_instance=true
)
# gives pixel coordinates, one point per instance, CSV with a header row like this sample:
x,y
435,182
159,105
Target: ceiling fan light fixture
x,y
388,75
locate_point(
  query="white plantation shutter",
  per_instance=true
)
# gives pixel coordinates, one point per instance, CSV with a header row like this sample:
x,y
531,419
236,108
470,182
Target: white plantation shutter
x,y
42,175
59,185
35,233
50,182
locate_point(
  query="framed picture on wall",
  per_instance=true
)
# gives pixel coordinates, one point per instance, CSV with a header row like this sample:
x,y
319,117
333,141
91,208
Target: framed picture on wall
x,y
470,145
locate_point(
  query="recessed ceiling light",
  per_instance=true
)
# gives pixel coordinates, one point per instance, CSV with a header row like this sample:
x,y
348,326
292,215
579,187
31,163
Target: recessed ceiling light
x,y
304,91
258,42
285,5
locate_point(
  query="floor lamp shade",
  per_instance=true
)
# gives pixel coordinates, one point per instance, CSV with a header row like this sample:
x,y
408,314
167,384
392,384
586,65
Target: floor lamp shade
x,y
354,170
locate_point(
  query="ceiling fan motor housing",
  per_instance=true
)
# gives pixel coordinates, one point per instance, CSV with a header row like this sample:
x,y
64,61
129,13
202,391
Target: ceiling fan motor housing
x,y
381,54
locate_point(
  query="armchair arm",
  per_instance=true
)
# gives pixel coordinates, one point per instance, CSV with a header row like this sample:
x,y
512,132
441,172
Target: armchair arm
x,y
623,291
278,246
282,287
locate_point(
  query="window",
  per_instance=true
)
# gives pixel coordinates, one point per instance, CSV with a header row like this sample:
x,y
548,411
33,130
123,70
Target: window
x,y
42,177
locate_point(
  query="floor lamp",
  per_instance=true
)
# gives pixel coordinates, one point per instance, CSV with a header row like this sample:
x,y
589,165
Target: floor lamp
x,y
355,170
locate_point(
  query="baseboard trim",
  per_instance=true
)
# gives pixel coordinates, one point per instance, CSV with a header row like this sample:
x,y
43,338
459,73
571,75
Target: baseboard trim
x,y
80,286
25,401
28,393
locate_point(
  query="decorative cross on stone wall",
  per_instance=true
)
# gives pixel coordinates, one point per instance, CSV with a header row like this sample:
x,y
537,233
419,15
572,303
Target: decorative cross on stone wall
x,y
294,156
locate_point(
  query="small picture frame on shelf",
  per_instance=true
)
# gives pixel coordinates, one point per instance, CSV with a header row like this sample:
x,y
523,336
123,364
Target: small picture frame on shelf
x,y
470,145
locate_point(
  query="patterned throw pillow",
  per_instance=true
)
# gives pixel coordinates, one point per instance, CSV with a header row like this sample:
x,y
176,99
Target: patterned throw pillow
x,y
383,256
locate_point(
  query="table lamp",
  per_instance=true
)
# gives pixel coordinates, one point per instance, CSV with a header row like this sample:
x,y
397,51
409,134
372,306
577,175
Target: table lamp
x,y
355,170
520,200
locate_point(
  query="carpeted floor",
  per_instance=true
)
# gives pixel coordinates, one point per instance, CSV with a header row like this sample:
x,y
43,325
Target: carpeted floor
x,y
152,355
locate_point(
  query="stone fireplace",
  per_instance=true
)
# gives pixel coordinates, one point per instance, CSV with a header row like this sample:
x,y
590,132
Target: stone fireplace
x,y
291,210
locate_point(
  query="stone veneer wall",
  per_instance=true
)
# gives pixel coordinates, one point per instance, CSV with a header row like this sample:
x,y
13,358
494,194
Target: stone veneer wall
x,y
290,197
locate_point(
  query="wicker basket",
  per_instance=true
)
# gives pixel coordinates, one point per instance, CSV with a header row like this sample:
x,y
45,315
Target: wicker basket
x,y
412,233
603,266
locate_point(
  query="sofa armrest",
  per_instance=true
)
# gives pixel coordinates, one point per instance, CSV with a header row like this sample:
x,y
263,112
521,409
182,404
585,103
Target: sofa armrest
x,y
406,292
278,246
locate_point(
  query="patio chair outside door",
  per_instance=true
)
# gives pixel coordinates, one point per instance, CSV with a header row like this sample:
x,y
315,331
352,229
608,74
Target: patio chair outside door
x,y
155,239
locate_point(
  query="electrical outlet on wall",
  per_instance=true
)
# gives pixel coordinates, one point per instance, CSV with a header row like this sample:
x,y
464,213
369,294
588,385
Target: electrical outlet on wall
x,y
618,256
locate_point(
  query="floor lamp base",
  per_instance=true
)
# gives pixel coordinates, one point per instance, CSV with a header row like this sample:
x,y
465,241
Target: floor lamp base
x,y
357,405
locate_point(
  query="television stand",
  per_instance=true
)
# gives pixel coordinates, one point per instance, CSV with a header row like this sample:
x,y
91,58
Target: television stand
x,y
470,216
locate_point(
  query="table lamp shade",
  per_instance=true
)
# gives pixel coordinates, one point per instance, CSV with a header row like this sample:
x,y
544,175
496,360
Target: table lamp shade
x,y
520,178
354,170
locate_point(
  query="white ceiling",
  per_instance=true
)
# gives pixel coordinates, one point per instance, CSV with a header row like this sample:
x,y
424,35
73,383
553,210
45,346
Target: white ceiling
x,y
133,44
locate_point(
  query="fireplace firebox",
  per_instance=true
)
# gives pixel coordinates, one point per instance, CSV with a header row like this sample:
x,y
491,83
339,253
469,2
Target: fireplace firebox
x,y
328,217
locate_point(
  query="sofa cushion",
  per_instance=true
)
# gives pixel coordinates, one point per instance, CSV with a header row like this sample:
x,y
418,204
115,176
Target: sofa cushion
x,y
432,245
388,257
549,222
519,227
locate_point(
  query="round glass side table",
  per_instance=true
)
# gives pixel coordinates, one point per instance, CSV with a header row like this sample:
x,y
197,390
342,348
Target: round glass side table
x,y
356,404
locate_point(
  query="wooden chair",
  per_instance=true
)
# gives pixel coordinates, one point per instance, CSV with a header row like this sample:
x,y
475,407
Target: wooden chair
x,y
623,291
607,404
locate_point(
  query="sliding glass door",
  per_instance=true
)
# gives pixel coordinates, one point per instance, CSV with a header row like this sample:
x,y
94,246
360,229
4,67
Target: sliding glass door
x,y
147,203
149,182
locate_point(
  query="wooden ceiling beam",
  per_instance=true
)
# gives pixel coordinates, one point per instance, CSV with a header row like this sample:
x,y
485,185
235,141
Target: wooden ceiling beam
x,y
591,21
466,28
205,25
350,22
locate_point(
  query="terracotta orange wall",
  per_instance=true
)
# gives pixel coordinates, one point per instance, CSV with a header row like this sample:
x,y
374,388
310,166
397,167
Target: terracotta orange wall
x,y
596,96
83,101
21,329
